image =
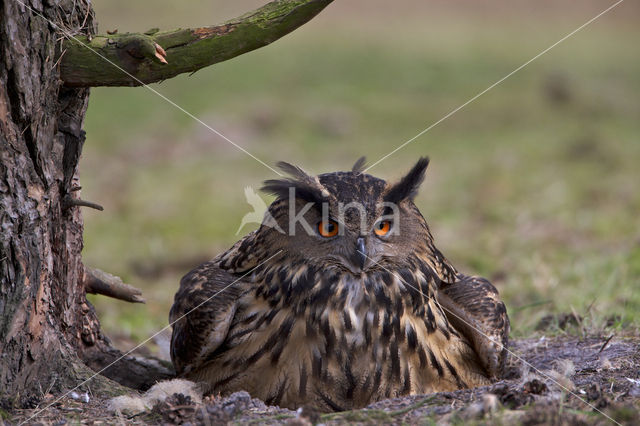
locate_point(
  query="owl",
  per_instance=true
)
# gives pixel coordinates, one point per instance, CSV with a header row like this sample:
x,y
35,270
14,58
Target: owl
x,y
338,300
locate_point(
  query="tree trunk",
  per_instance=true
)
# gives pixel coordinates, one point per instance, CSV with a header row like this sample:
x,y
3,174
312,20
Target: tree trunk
x,y
45,320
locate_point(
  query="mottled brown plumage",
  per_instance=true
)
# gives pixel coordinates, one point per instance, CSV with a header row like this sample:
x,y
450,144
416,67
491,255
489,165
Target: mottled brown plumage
x,y
337,322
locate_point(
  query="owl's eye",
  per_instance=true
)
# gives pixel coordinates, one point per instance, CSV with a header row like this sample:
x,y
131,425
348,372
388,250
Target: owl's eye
x,y
382,228
328,228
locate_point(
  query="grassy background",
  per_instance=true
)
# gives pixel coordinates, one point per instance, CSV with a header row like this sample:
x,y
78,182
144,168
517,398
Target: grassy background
x,y
534,185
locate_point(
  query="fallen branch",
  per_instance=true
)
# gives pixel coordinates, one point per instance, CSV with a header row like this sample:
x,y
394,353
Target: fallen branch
x,y
99,282
158,55
136,372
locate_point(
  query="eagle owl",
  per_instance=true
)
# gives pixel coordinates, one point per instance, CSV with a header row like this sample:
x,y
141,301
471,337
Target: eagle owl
x,y
340,299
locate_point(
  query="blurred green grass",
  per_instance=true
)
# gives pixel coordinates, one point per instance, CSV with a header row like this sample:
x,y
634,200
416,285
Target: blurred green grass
x,y
534,185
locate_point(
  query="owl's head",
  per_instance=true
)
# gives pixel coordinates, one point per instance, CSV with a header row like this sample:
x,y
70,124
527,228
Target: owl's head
x,y
350,220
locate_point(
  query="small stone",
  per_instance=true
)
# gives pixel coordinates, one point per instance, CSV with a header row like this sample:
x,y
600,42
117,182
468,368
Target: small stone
x,y
490,403
82,397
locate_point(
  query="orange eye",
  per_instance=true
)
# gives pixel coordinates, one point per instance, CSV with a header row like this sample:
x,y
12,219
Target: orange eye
x,y
382,228
328,229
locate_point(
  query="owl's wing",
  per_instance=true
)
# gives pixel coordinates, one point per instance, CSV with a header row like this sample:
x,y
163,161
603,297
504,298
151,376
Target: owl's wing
x,y
201,314
473,306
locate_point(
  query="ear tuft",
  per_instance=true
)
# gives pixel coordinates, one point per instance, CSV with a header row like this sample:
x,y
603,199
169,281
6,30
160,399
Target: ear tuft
x,y
293,171
305,187
358,167
407,187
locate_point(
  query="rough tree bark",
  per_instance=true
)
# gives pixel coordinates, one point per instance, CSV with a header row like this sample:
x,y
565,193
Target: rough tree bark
x,y
43,313
49,333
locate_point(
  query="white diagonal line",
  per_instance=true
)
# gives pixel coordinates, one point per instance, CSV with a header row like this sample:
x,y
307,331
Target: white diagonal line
x,y
513,354
494,84
146,86
150,338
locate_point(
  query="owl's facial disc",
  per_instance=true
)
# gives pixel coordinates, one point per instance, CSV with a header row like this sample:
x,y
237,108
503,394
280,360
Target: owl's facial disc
x,y
347,220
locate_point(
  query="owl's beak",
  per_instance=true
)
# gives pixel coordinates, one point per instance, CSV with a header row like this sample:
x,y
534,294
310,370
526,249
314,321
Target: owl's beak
x,y
360,255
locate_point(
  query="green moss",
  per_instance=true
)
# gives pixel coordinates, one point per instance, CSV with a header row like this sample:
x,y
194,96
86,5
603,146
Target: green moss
x,y
4,415
187,51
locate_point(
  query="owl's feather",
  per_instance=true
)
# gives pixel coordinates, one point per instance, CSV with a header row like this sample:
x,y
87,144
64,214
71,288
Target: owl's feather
x,y
472,305
201,315
407,187
306,187
359,165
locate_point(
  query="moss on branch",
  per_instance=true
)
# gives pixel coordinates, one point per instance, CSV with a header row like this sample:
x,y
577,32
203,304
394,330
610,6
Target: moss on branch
x,y
153,56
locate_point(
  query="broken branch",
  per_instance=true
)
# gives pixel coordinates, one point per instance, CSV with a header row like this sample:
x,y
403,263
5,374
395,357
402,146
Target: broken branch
x,y
99,282
68,201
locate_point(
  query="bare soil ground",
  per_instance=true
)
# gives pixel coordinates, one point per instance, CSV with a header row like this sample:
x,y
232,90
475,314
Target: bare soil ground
x,y
561,380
